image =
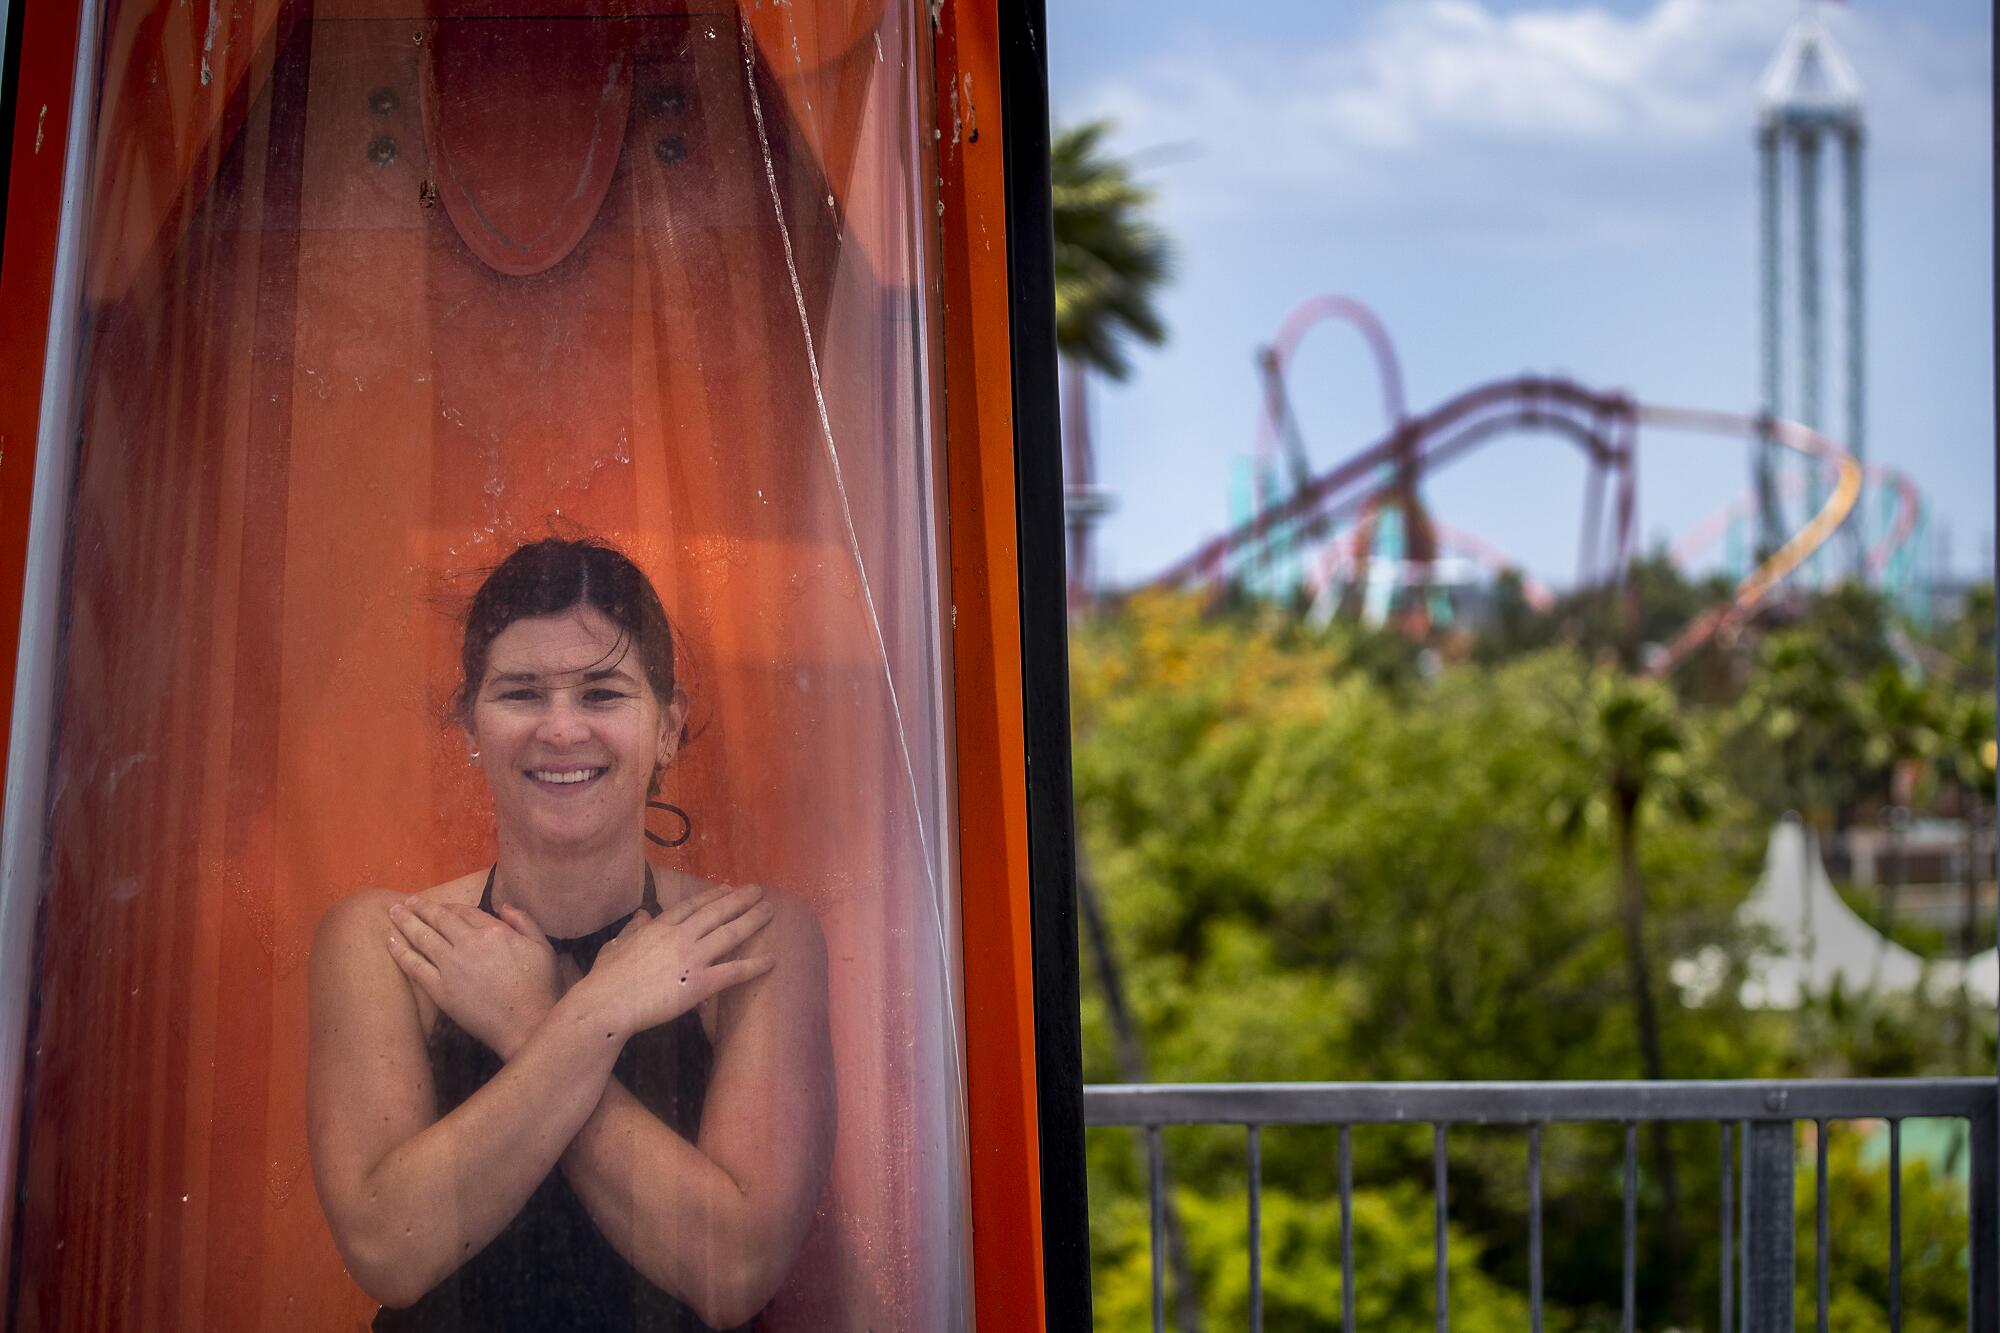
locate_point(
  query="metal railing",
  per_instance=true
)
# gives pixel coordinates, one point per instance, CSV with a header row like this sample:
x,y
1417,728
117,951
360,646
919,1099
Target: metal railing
x,y
1757,1274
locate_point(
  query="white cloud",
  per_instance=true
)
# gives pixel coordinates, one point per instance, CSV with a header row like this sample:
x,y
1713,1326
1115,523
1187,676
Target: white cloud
x,y
1553,124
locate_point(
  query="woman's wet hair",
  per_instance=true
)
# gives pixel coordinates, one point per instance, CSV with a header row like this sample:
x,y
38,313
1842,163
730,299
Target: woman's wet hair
x,y
554,575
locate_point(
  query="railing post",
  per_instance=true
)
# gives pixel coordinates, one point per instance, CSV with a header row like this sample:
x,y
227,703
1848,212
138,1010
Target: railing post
x,y
1727,1286
1984,1223
1767,1228
1256,1167
1156,1193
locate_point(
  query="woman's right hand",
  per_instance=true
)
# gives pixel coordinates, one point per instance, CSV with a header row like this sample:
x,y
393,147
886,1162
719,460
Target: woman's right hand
x,y
658,968
497,979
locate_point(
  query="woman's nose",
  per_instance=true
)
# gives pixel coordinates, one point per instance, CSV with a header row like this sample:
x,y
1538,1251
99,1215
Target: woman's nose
x,y
563,723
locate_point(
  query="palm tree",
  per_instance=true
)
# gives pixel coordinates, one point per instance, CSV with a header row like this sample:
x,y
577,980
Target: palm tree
x,y
1900,718
1110,264
1110,261
1967,753
1801,706
1632,754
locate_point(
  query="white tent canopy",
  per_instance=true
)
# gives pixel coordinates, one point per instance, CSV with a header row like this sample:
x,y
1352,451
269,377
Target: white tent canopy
x,y
1819,940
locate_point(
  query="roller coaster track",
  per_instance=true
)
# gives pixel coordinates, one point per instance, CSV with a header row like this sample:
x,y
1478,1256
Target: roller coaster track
x,y
1796,550
1338,561
1909,512
1603,426
1600,425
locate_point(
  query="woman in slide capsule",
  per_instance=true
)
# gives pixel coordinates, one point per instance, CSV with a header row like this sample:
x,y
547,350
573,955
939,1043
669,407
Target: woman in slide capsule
x,y
574,1090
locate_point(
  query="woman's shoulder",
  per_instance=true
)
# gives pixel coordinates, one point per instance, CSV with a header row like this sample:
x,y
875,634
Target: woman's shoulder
x,y
795,930
793,920
364,914
792,937
790,912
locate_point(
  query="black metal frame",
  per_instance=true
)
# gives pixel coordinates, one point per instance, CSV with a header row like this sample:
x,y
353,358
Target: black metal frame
x,y
10,91
1024,98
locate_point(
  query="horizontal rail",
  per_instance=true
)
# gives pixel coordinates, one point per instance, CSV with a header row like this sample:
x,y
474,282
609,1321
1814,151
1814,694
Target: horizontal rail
x,y
1757,1199
1113,1104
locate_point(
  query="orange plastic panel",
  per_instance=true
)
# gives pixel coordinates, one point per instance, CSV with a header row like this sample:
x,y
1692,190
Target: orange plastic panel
x,y
179,78
310,400
992,759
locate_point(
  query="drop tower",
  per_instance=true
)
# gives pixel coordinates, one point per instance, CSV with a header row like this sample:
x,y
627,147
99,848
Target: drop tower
x,y
1809,108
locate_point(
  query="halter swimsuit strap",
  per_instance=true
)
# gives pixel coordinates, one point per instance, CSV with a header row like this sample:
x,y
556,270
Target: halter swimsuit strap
x,y
649,902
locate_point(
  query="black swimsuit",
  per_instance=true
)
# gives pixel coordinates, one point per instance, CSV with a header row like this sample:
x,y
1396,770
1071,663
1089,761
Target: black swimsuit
x,y
549,1270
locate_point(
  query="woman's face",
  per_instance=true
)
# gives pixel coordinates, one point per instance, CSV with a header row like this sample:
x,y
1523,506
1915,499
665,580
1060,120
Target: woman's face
x,y
568,731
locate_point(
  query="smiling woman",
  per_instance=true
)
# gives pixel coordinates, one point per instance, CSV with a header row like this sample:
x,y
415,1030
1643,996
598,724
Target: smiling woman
x,y
528,631
545,1096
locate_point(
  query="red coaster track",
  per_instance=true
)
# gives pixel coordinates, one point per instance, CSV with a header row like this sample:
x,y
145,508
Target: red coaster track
x,y
1603,425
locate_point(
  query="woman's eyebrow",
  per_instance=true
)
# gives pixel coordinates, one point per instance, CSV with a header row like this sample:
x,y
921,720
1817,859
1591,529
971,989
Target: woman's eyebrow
x,y
534,678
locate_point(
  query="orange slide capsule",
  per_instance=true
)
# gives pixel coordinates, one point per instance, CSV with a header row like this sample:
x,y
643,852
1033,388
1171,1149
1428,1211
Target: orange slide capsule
x,y
482,481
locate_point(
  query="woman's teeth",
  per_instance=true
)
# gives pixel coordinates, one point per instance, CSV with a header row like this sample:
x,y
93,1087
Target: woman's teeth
x,y
575,775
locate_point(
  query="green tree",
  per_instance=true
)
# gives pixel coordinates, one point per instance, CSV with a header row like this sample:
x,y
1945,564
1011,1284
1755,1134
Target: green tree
x,y
1800,727
1110,260
1965,644
1854,624
1966,753
1321,866
1634,755
1323,860
1110,263
1899,717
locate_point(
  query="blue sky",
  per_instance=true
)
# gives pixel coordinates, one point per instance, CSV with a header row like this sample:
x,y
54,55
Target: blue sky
x,y
1522,185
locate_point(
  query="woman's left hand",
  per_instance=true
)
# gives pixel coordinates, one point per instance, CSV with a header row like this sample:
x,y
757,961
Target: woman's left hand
x,y
496,979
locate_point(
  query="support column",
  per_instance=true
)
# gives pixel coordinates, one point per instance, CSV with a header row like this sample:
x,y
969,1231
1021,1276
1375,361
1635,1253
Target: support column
x,y
1079,483
1851,232
1983,1197
1770,527
1810,347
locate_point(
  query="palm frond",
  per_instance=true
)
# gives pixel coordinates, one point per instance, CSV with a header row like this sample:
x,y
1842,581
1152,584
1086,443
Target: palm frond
x,y
1110,261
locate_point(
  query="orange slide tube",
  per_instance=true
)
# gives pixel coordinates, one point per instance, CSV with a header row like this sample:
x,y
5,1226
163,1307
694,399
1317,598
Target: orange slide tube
x,y
311,407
